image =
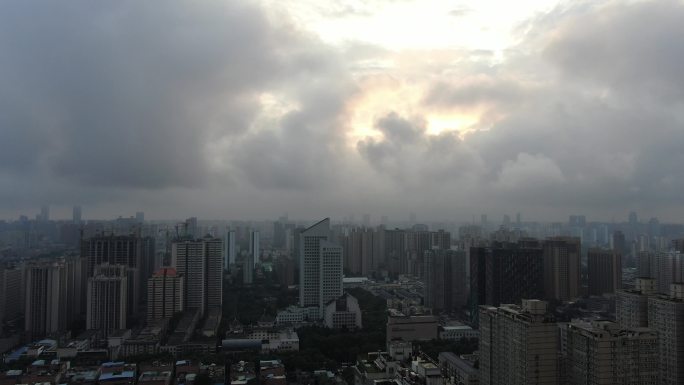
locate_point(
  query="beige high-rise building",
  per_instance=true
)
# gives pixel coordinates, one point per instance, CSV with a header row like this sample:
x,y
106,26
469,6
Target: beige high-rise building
x,y
605,271
562,268
164,294
518,345
604,353
666,317
201,263
320,268
631,306
108,298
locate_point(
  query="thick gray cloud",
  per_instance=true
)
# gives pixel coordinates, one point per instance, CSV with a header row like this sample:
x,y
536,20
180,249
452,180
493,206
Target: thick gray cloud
x,y
137,105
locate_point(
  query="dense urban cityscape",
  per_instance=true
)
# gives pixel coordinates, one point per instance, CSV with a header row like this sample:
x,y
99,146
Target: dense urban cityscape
x,y
341,192
131,300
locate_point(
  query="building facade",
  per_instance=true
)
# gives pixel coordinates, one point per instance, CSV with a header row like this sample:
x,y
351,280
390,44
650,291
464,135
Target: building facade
x,y
562,268
603,352
164,294
107,298
518,345
605,271
200,261
320,267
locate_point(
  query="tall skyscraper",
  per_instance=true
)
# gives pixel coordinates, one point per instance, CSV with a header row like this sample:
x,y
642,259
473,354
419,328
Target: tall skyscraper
x,y
248,269
12,292
360,252
254,247
191,228
140,216
603,352
134,251
107,298
562,268
320,267
230,252
164,294
666,317
201,263
618,242
445,278
76,215
52,296
605,271
668,269
505,272
518,345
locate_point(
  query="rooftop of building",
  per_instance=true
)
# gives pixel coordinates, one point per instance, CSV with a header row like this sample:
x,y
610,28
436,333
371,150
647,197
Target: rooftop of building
x,y
154,376
458,362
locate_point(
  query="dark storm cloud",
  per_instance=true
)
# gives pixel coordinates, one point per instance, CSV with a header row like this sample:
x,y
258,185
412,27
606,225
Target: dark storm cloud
x,y
129,101
124,93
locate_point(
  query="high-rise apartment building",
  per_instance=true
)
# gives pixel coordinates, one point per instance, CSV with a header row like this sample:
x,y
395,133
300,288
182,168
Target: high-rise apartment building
x,y
605,271
668,269
164,294
505,272
76,215
646,264
666,317
12,291
248,270
518,345
320,267
255,247
360,251
201,263
134,251
230,251
52,296
108,298
445,279
562,268
603,352
631,306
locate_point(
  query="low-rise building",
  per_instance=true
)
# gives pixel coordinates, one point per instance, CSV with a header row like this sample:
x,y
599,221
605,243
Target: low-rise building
x,y
411,328
457,370
343,313
457,332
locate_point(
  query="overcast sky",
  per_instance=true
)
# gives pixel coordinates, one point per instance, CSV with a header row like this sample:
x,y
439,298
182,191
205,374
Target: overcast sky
x,y
250,109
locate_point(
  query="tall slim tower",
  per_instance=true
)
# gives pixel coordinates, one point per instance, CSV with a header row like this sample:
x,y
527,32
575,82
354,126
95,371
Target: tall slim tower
x,y
562,268
320,267
230,252
76,215
108,298
254,248
201,262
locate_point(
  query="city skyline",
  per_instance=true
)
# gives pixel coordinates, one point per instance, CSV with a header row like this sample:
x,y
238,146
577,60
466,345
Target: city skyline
x,y
238,109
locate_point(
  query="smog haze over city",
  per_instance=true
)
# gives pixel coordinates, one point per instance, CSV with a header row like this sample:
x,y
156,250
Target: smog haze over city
x,y
250,109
